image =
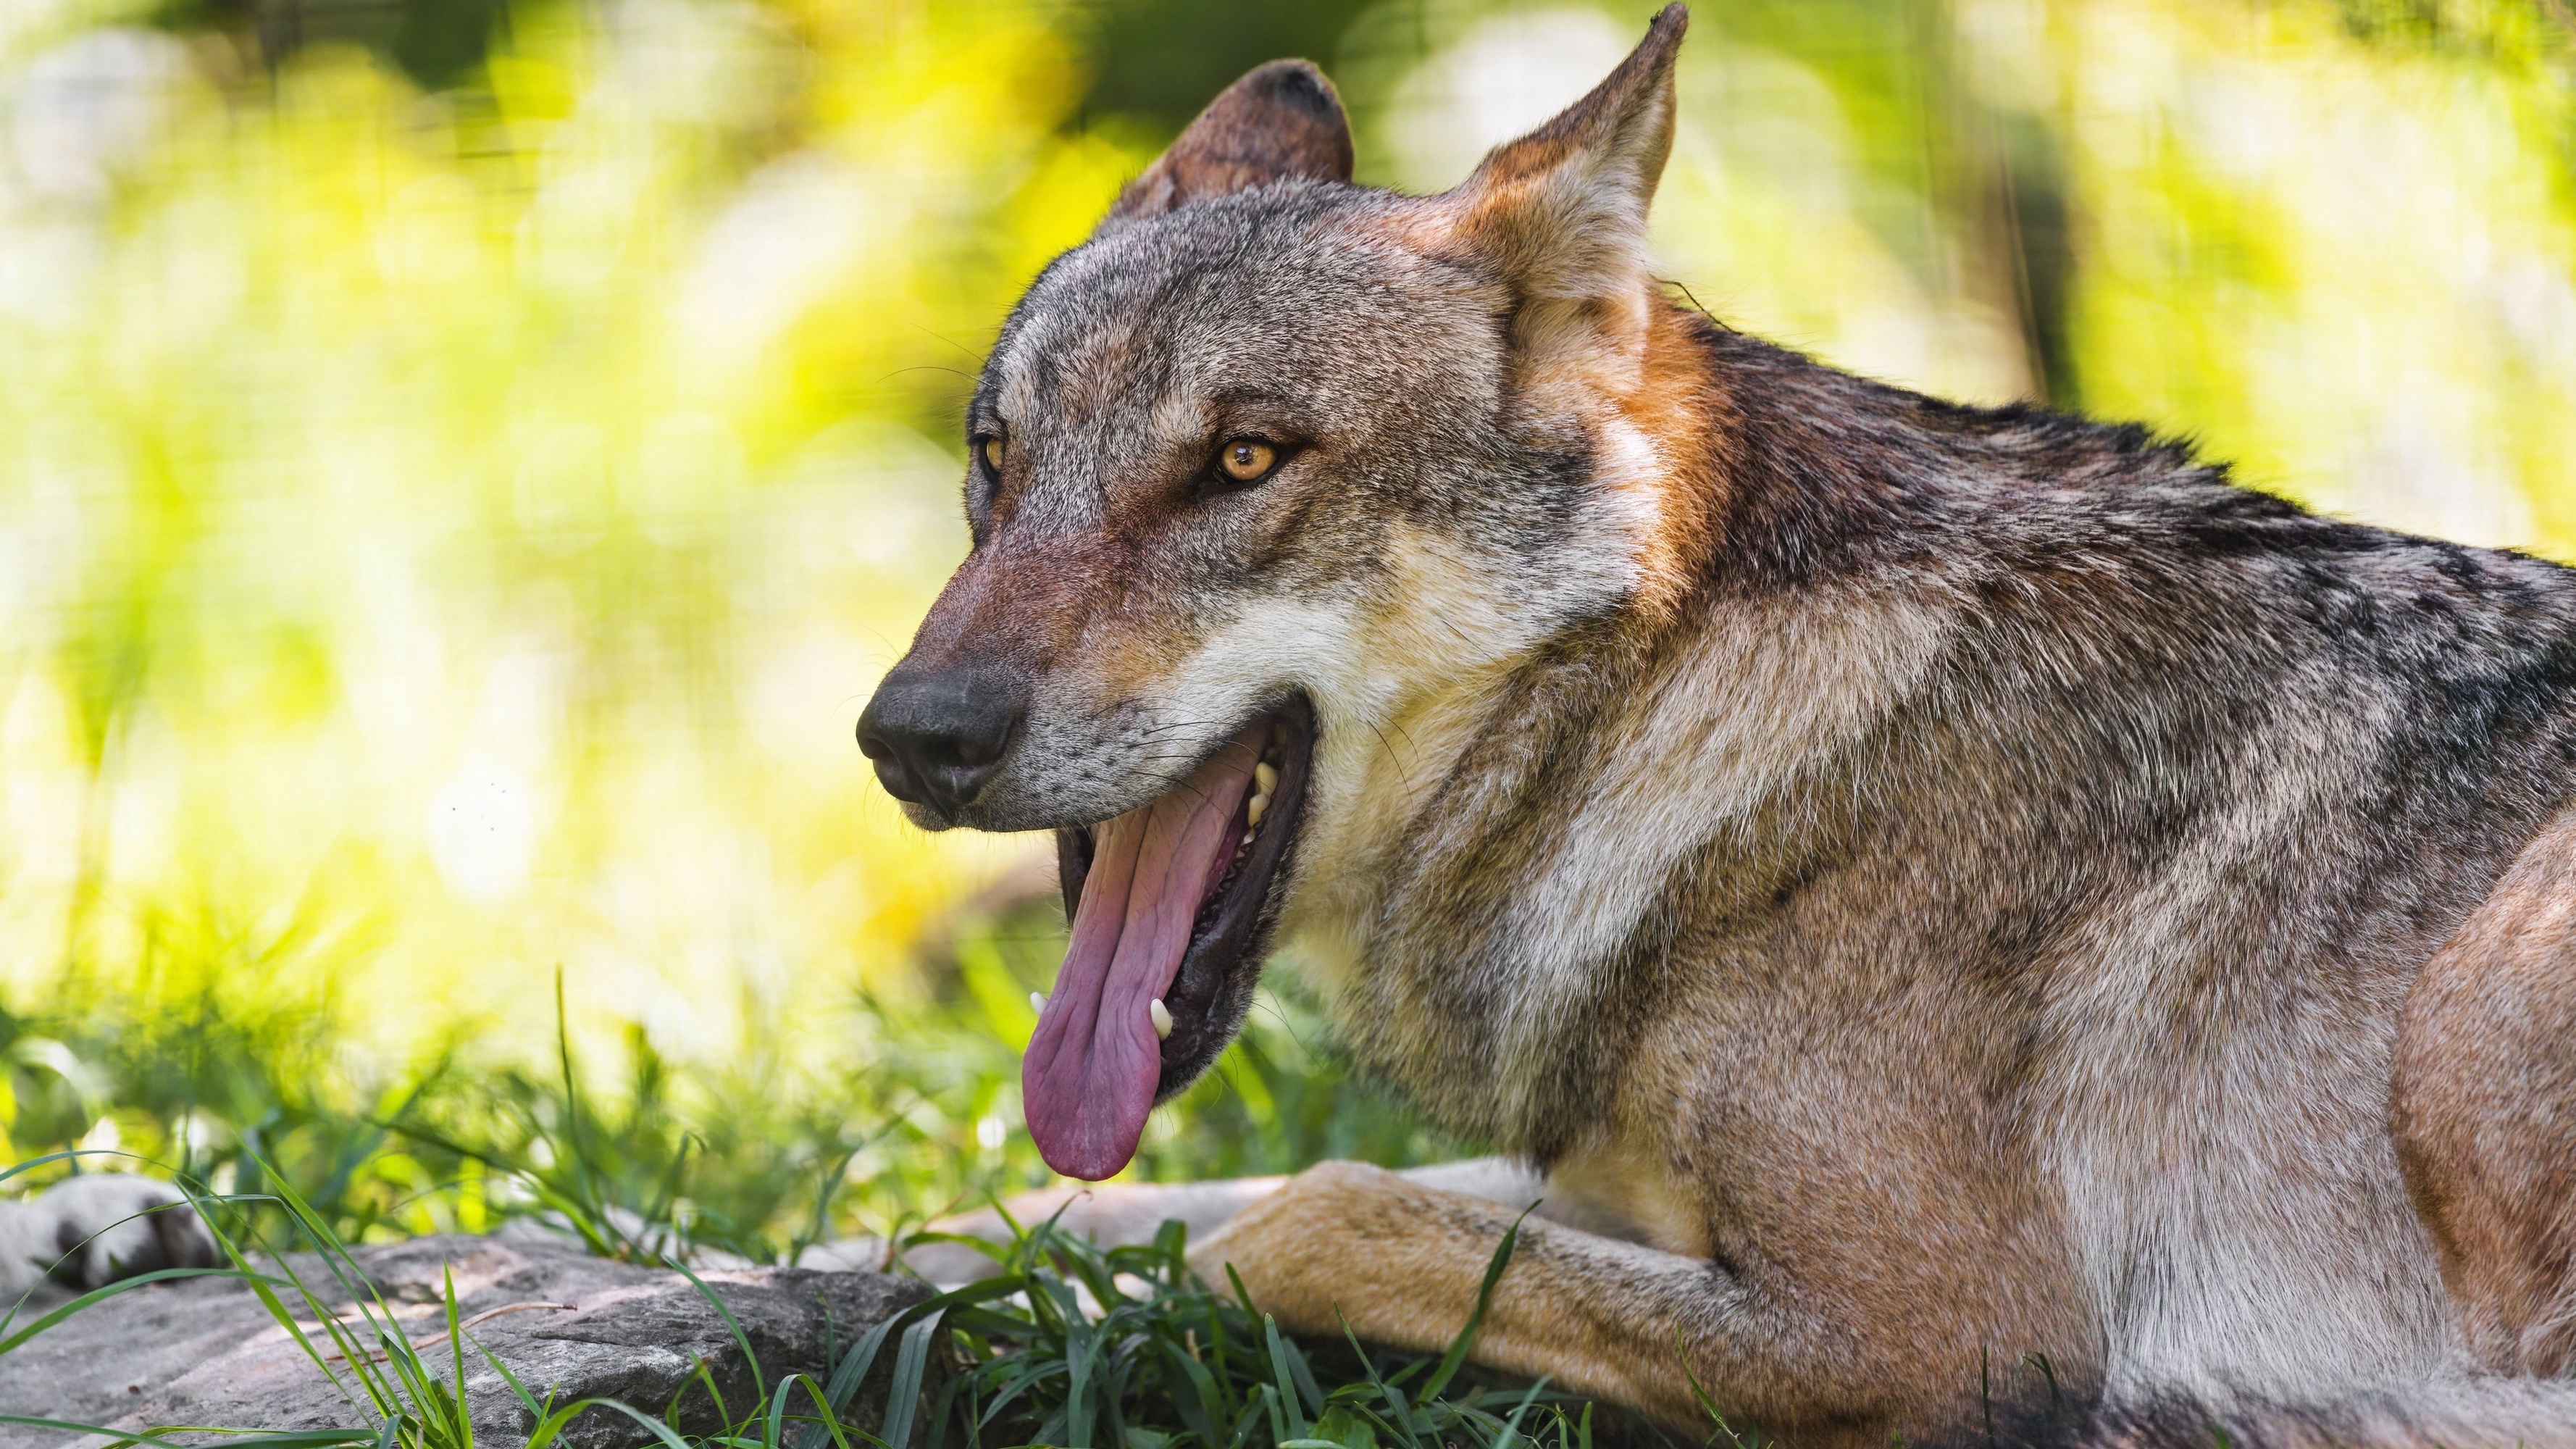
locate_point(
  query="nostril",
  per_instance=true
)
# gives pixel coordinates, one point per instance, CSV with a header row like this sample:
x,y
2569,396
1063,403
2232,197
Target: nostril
x,y
974,751
872,742
964,760
938,738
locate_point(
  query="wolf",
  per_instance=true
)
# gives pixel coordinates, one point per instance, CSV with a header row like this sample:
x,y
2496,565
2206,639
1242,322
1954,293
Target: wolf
x,y
1918,890
98,1228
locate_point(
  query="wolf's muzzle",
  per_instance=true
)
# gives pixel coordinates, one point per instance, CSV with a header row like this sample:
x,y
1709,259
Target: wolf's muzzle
x,y
938,735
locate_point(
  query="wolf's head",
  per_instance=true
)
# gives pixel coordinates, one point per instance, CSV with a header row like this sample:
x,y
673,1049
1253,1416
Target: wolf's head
x,y
1264,471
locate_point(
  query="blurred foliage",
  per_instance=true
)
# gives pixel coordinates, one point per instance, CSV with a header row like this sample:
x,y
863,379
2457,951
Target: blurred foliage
x,y
467,462
233,1085
438,43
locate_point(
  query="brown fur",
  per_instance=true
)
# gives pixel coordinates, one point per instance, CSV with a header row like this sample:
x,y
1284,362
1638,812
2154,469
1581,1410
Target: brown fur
x,y
2485,1110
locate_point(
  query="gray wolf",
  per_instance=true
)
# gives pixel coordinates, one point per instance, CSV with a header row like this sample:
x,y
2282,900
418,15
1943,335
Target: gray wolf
x,y
1921,889
95,1229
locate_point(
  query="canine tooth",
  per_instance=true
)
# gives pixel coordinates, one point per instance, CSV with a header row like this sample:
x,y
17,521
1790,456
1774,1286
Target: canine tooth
x,y
1161,1016
1247,838
1252,812
1037,1000
1265,778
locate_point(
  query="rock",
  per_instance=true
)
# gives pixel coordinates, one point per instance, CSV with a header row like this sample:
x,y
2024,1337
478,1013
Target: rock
x,y
206,1352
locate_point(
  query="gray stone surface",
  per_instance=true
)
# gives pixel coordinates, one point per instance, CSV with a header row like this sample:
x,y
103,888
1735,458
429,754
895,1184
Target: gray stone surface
x,y
205,1352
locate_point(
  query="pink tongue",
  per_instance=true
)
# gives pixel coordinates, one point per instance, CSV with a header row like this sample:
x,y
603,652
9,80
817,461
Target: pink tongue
x,y
1089,1077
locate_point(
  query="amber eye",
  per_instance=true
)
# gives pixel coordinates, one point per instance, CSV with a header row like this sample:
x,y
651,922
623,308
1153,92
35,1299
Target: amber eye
x,y
992,450
1247,460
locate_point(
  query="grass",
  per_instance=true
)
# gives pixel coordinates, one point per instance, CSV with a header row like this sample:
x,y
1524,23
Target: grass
x,y
285,1144
253,1091
1064,1343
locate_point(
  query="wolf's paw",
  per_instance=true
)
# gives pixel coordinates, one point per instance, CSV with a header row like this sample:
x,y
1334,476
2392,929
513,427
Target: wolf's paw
x,y
111,1225
1304,1249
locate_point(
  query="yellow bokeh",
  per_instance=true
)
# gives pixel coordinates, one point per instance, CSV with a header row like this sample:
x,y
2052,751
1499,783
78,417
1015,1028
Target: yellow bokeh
x,y
448,536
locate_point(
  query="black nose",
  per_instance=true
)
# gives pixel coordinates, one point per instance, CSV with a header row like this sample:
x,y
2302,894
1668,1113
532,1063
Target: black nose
x,y
937,736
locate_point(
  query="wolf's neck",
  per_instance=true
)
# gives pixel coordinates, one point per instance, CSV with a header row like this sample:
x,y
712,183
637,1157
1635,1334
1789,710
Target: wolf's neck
x,y
1476,915
1486,855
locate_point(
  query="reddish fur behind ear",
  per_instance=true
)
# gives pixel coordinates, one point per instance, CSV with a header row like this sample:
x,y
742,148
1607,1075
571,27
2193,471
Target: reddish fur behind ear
x,y
1280,120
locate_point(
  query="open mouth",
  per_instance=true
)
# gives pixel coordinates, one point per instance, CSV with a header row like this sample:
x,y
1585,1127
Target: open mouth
x,y
1171,905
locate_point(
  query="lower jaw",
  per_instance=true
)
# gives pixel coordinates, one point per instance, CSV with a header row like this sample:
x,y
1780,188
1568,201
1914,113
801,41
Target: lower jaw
x,y
1212,989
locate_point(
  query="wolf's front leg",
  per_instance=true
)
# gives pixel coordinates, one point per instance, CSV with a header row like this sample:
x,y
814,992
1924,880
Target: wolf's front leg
x,y
1129,1214
1111,1214
1401,1263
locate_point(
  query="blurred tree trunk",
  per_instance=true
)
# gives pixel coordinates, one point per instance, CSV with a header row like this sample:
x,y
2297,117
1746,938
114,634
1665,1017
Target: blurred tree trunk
x,y
1996,180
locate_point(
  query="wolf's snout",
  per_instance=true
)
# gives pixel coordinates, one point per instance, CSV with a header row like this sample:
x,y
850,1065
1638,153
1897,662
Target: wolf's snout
x,y
938,736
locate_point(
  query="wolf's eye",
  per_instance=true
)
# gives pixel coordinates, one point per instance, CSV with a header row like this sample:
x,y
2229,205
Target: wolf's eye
x,y
1247,460
989,449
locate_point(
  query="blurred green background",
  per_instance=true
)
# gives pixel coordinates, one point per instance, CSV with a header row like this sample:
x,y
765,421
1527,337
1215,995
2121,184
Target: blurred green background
x,y
464,464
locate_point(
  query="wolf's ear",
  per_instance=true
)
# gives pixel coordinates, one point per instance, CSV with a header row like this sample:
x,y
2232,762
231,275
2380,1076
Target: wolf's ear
x,y
1280,120
1562,210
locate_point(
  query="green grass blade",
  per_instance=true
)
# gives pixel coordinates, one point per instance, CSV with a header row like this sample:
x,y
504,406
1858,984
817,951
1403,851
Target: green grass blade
x,y
1707,1405
778,1410
998,1252
759,1388
1512,1426
1241,1293
1304,1375
276,1307
704,1375
1400,1413
668,1437
536,1411
360,1289
1267,1396
74,1155
1016,1385
1081,1343
456,1343
855,1364
1456,1357
903,1396
1201,1408
1248,1419
71,1154
122,1285
940,1412
293,1439
1291,1406
830,1420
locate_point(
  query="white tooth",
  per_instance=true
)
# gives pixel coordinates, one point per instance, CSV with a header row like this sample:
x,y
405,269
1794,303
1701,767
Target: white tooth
x,y
1252,812
1037,1002
1265,778
1247,837
1161,1016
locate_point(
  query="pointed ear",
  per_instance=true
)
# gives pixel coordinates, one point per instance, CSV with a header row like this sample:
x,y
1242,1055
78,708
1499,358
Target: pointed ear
x,y
1280,120
1562,211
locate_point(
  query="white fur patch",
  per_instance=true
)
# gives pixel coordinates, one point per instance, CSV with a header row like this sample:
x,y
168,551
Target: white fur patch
x,y
1758,698
2218,1232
